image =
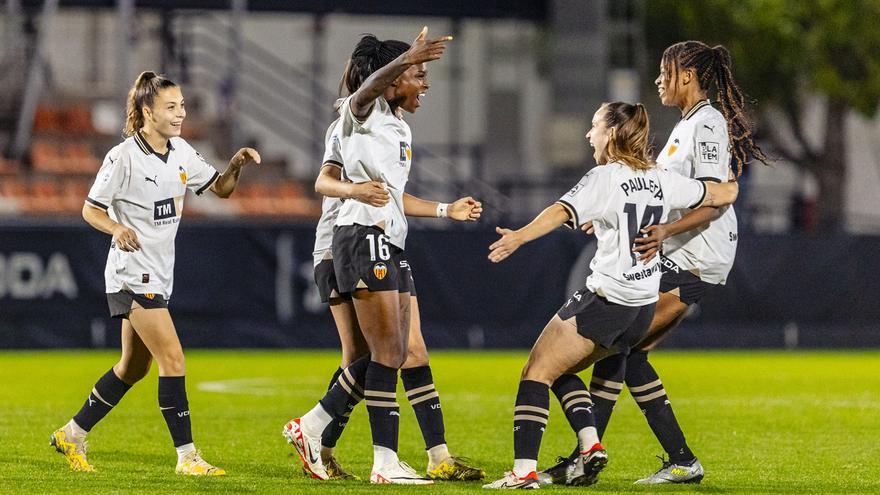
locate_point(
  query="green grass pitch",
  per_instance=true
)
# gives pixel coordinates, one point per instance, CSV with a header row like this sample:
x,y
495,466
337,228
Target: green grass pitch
x,y
761,422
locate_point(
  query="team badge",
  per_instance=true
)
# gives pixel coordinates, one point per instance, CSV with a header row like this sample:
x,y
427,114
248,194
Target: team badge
x,y
149,295
380,270
182,175
673,148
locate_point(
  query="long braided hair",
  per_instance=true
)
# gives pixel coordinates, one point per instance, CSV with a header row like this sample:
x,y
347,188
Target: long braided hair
x,y
713,65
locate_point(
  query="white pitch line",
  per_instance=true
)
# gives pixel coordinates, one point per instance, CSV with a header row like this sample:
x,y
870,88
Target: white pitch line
x,y
263,386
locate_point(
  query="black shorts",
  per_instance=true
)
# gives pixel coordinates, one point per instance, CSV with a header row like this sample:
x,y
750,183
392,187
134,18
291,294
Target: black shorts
x,y
325,279
690,288
364,259
611,325
121,302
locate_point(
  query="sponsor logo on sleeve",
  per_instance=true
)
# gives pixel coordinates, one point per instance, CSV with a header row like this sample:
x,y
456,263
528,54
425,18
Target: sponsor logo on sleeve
x,y
405,152
709,151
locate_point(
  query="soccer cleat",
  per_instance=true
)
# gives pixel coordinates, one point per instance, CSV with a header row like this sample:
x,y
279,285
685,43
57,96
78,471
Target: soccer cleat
x,y
193,465
72,450
335,471
455,469
560,473
675,473
399,473
308,448
590,464
511,481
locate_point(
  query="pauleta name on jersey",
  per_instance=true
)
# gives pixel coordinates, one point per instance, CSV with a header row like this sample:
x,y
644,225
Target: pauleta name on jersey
x,y
637,184
643,274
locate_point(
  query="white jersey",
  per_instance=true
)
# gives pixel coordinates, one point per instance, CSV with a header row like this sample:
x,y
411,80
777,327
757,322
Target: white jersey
x,y
329,206
144,191
620,201
699,148
377,149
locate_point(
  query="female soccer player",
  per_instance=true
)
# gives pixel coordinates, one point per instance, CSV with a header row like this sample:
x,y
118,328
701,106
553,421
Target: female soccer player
x,y
622,195
699,246
138,199
368,246
416,371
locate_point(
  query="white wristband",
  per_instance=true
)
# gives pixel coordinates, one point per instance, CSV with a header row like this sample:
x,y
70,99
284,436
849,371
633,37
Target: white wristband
x,y
442,210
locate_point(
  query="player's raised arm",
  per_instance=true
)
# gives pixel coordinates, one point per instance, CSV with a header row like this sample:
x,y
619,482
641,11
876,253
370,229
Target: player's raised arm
x,y
422,50
552,217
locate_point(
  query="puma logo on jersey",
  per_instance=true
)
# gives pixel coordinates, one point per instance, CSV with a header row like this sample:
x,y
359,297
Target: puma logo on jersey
x,y
153,180
711,128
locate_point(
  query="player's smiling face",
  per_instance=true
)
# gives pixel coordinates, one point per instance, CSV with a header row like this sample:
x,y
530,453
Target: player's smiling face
x,y
599,135
410,87
167,113
672,87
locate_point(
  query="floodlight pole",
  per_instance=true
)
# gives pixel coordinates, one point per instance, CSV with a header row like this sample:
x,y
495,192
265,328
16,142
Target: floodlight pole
x,y
34,86
124,18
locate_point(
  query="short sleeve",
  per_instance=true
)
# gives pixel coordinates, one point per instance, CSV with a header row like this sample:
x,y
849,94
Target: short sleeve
x,y
680,192
200,175
351,124
332,148
111,179
586,200
711,156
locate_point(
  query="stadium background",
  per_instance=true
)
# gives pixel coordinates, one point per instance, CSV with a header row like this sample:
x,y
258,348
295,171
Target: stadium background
x,y
504,121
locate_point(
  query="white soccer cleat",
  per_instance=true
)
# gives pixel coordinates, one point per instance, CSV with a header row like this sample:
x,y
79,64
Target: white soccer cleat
x,y
511,481
588,467
398,473
675,473
307,446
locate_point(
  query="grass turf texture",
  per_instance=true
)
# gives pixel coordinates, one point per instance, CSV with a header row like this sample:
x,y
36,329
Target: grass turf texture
x,y
761,422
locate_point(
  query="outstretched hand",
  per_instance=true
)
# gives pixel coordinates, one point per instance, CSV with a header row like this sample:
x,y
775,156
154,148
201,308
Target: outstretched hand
x,y
466,209
425,50
504,247
245,156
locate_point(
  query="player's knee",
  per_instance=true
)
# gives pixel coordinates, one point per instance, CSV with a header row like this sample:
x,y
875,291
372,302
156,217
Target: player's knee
x,y
533,371
392,355
416,356
173,363
132,372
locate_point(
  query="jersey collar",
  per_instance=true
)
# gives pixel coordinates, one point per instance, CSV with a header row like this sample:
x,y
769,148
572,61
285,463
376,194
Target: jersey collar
x,y
148,150
696,108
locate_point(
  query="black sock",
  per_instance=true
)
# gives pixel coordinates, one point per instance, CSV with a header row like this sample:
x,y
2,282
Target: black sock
x,y
380,394
648,391
575,401
425,401
605,387
342,397
175,408
334,430
106,393
530,417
